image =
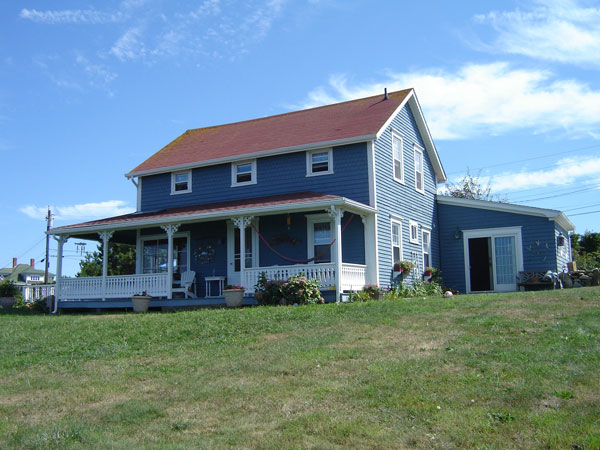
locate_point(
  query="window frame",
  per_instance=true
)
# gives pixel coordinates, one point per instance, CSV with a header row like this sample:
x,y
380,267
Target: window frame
x,y
412,225
397,222
174,182
234,173
161,237
426,231
311,220
309,162
399,137
419,151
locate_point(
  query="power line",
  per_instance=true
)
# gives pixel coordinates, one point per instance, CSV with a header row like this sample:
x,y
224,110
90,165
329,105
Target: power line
x,y
581,207
584,213
28,250
556,195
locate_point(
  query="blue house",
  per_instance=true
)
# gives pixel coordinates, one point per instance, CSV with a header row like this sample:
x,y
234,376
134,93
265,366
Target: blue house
x,y
340,193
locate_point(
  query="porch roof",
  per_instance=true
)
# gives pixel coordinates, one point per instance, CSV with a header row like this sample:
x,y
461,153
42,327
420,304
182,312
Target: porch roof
x,y
274,204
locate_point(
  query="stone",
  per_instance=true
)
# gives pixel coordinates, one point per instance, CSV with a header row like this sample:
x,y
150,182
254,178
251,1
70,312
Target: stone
x,y
596,277
585,280
566,279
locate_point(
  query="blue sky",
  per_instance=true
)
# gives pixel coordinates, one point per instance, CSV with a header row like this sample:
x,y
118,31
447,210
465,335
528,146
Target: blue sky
x,y
88,90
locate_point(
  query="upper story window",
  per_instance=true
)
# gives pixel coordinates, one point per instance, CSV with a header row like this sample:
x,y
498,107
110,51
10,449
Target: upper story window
x,y
414,232
419,181
181,182
319,162
398,158
243,173
396,242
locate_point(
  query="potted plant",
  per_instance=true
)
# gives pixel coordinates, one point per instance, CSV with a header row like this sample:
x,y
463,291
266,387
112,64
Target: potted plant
x,y
374,291
8,292
141,302
234,295
402,268
430,273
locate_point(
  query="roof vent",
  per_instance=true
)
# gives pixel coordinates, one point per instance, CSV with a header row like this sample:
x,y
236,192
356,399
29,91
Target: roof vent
x,y
385,95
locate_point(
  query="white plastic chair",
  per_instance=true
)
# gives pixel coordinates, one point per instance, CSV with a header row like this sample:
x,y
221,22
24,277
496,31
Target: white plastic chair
x,y
187,281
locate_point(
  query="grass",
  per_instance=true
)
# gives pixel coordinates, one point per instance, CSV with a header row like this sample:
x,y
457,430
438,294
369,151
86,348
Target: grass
x,y
516,370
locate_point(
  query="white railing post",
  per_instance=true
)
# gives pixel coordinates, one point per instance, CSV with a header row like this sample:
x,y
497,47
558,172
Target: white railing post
x,y
337,214
242,223
105,237
170,229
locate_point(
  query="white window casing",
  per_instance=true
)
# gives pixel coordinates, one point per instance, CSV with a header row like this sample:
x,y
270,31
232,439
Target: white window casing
x,y
397,158
419,171
414,231
426,240
396,241
243,173
181,182
319,236
319,162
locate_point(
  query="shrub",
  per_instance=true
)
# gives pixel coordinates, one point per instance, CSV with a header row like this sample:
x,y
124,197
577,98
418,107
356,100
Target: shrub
x,y
297,289
417,289
8,289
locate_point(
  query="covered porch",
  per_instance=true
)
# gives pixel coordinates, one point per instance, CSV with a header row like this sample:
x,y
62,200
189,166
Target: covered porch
x,y
327,238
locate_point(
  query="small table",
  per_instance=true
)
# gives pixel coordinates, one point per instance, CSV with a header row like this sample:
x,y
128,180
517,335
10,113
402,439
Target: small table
x,y
210,281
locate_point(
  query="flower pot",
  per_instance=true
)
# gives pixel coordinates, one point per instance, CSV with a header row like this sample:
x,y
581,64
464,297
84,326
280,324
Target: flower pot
x,y
140,303
7,302
233,297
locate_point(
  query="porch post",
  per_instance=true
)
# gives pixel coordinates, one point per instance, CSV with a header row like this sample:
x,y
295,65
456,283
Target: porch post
x,y
59,256
242,223
170,229
370,232
337,214
105,236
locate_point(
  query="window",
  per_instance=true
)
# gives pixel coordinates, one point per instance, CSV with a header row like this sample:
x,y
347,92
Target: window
x,y
398,158
181,182
156,256
319,238
319,162
396,242
414,232
419,186
34,277
426,237
243,173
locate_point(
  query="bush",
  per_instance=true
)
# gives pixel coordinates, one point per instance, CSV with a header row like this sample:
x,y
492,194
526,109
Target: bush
x,y
417,289
8,289
297,289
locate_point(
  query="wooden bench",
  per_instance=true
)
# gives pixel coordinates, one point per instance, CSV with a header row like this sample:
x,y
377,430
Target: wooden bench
x,y
535,280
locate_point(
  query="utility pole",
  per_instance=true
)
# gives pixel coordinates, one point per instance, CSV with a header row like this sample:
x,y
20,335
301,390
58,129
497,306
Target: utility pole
x,y
47,261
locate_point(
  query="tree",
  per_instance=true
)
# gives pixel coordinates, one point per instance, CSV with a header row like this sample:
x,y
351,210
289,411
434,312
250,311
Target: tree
x,y
472,187
121,261
586,250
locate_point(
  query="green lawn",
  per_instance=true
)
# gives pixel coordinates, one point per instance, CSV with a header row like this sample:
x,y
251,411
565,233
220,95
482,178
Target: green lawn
x,y
489,371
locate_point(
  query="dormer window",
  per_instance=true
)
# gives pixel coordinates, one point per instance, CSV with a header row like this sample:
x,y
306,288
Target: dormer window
x,y
319,162
181,182
243,173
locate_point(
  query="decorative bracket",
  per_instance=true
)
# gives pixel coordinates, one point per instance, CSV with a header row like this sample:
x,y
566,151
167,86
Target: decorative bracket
x,y
363,217
105,235
334,212
242,221
170,229
61,238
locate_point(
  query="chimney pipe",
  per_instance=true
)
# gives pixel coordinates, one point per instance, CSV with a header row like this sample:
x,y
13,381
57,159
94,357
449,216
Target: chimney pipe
x,y
32,263
385,94
14,262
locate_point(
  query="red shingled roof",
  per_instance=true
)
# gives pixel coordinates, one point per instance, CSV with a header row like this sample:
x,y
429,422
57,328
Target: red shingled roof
x,y
337,122
183,211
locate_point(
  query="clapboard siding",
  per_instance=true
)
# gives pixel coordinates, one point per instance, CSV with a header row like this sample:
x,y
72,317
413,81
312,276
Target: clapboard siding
x,y
402,200
537,233
281,174
563,254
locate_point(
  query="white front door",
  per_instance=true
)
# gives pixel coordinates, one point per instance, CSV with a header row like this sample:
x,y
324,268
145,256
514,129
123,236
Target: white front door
x,y
233,252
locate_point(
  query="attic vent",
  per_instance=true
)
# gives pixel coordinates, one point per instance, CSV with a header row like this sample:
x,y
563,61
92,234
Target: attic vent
x,y
385,94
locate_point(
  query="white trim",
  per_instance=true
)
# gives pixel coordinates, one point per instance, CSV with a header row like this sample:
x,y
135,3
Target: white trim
x,y
233,276
552,214
399,136
309,162
425,230
400,246
138,205
254,155
418,150
346,204
413,225
234,165
150,237
311,220
371,174
189,182
492,233
413,102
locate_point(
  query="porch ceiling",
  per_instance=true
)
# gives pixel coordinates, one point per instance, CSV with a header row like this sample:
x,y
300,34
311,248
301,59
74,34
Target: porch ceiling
x,y
275,204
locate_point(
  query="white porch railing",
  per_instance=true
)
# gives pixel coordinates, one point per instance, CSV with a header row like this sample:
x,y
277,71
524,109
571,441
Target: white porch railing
x,y
118,286
353,275
33,292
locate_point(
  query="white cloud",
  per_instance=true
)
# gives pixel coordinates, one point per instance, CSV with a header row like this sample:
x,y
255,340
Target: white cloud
x,y
483,98
555,30
85,211
70,16
566,172
129,45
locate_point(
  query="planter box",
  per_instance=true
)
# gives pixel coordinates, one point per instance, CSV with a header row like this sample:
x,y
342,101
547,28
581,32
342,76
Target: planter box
x,y
7,302
233,297
140,303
